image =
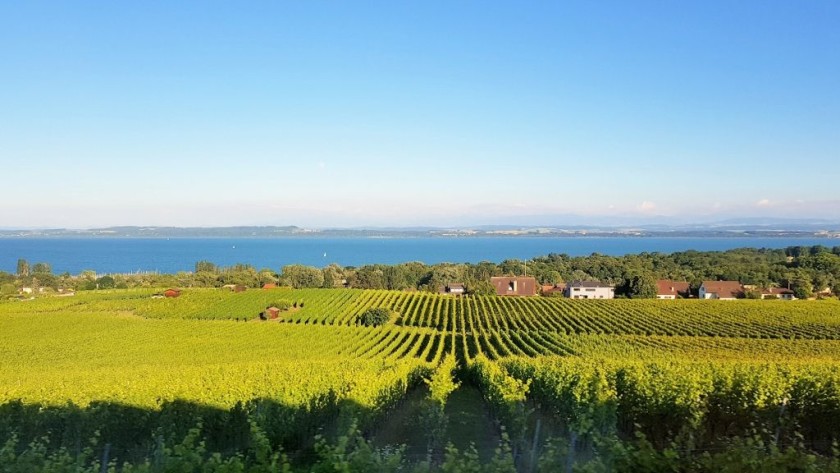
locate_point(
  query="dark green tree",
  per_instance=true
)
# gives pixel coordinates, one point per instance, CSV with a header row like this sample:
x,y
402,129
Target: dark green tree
x,y
22,268
641,286
41,268
205,266
375,317
105,282
300,276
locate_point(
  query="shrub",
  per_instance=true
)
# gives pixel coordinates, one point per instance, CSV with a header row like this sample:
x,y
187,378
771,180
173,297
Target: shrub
x,y
281,304
375,317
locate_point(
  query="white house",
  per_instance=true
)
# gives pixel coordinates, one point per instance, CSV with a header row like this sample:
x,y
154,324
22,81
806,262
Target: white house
x,y
723,290
777,293
589,290
455,289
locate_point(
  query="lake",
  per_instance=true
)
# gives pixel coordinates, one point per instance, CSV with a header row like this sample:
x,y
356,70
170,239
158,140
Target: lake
x,y
125,255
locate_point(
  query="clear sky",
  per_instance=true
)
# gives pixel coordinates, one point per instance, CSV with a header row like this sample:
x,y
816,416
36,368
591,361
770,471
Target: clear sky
x,y
327,113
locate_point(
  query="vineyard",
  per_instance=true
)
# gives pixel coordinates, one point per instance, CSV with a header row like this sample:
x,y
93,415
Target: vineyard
x,y
697,373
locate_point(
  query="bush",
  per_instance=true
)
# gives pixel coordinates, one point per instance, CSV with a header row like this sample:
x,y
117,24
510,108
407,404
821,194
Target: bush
x,y
375,317
281,304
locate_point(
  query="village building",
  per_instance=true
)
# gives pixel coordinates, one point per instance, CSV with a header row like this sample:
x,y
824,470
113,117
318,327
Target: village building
x,y
667,289
722,290
777,293
172,293
454,289
549,289
589,290
514,285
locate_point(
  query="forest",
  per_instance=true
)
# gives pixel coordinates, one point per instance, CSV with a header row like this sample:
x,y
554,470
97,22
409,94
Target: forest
x,y
810,271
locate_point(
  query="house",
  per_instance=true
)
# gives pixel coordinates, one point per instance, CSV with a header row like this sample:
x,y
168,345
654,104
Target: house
x,y
549,289
723,290
514,285
667,289
272,312
454,289
589,290
172,293
239,288
269,285
777,293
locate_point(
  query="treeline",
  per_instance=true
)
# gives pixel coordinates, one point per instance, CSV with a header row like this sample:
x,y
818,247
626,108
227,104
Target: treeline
x,y
807,270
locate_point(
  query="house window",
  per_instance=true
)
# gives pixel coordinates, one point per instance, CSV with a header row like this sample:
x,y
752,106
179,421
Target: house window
x,y
512,286
576,289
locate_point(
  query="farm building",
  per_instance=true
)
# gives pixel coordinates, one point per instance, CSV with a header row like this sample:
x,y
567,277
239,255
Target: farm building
x,y
723,290
272,312
777,293
454,289
667,289
514,285
172,293
589,290
269,285
549,289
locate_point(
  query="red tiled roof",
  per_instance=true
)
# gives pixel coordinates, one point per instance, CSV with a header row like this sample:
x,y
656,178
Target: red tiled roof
x,y
525,286
666,287
724,288
549,288
775,291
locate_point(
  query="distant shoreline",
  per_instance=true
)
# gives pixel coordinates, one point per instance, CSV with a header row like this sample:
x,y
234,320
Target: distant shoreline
x,y
828,233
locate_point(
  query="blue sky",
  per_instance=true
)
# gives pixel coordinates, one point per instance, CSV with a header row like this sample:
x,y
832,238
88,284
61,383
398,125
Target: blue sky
x,y
417,113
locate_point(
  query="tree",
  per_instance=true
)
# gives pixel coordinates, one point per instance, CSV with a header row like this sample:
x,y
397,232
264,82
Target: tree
x,y
801,288
333,276
375,317
22,268
368,277
641,286
481,288
205,266
551,277
105,282
41,268
300,276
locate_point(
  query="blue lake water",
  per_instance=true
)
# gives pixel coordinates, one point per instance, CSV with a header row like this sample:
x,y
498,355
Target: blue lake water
x,y
124,255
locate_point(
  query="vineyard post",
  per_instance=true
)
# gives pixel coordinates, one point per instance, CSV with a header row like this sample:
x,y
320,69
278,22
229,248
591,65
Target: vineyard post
x,y
570,459
103,467
781,420
533,464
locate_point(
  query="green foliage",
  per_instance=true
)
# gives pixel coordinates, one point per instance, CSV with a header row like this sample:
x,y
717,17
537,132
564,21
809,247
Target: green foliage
x,y
442,382
22,268
641,286
481,288
441,385
281,304
299,276
105,282
205,266
353,453
758,378
41,268
375,317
